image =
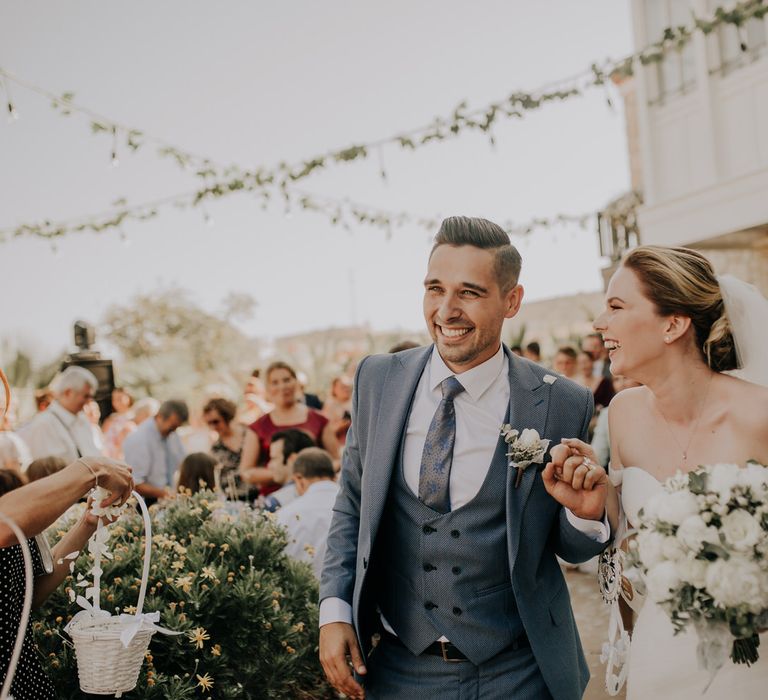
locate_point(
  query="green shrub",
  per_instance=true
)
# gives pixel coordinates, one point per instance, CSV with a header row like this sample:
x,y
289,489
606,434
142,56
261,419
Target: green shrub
x,y
249,613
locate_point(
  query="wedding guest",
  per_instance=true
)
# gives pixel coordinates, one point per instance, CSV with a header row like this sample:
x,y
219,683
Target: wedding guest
x,y
593,345
45,466
338,405
288,412
219,415
403,345
517,350
600,386
155,451
63,429
33,508
145,408
311,400
14,453
255,398
118,424
197,471
308,518
285,447
532,352
92,412
43,399
564,362
601,441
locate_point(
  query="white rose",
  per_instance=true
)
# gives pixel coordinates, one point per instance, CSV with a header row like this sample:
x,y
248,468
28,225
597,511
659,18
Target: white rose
x,y
735,581
722,478
741,530
693,532
672,549
651,546
528,439
693,571
661,581
755,476
676,507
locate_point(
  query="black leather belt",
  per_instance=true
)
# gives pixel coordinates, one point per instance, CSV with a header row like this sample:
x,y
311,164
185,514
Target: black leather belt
x,y
448,651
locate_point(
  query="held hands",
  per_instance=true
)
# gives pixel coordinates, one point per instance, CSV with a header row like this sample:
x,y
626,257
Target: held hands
x,y
575,480
116,477
338,643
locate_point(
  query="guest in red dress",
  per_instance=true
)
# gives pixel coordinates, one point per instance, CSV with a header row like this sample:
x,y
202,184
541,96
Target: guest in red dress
x,y
287,413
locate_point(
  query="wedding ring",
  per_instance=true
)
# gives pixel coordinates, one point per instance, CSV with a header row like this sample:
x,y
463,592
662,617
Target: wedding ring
x,y
589,464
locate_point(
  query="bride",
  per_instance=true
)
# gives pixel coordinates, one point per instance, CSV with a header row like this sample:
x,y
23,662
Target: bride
x,y
672,326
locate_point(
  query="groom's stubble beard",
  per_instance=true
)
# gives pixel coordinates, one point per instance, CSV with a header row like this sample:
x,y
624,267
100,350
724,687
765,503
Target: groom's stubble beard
x,y
465,353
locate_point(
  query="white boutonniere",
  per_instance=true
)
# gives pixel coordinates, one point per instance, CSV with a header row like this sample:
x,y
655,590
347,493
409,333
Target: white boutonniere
x,y
549,378
525,448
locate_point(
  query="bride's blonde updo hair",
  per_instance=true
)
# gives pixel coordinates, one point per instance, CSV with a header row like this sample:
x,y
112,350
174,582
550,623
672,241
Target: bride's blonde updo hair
x,y
682,281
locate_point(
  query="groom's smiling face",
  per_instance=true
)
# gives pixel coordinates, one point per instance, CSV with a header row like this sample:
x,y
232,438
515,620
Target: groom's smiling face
x,y
464,305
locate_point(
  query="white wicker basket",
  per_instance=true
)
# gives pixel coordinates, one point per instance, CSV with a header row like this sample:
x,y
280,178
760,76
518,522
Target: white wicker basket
x,y
104,665
28,589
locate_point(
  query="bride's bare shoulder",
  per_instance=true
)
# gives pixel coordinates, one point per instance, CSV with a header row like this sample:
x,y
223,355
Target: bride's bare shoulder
x,y
630,400
747,399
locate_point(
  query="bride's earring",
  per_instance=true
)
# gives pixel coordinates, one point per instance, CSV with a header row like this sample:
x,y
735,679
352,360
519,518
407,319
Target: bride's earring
x,y
667,339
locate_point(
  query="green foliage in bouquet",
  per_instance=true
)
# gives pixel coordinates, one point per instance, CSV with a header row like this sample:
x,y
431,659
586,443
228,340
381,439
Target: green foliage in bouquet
x,y
247,612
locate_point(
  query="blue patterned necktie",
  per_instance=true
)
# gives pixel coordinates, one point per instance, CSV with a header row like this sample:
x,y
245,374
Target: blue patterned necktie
x,y
437,457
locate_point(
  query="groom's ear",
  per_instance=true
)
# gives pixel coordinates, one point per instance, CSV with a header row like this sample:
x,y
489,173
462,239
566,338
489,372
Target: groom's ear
x,y
513,299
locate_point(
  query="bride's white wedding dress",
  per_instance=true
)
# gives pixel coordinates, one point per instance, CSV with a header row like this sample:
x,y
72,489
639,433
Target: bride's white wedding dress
x,y
663,665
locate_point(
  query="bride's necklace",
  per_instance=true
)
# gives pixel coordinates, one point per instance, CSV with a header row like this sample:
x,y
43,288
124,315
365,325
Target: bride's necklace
x,y
694,430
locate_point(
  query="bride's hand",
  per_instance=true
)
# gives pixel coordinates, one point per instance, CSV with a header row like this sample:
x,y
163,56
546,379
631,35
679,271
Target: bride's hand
x,y
575,480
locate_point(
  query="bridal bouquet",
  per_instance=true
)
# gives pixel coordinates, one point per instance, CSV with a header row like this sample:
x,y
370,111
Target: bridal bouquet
x,y
702,547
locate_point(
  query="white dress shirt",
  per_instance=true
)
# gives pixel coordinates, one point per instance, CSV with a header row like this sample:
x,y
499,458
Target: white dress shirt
x,y
480,412
58,433
308,519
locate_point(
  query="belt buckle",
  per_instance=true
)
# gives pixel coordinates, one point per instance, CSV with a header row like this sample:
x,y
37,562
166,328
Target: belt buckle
x,y
444,646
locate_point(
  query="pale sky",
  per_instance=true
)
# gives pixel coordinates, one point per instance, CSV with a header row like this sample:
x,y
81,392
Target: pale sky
x,y
261,82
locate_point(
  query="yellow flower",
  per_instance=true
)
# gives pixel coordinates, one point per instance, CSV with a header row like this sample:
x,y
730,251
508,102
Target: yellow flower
x,y
205,682
178,564
209,573
198,636
184,582
216,651
129,609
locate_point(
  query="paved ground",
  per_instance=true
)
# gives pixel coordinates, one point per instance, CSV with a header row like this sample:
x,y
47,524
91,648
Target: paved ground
x,y
592,619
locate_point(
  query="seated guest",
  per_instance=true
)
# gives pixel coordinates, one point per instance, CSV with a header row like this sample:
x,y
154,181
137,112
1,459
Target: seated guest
x,y
532,352
288,412
600,386
145,408
197,471
155,451
219,415
283,452
403,345
308,518
118,424
45,466
63,429
565,362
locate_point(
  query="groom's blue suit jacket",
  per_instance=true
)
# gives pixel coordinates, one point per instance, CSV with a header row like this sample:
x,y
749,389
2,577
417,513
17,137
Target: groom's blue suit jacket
x,y
537,527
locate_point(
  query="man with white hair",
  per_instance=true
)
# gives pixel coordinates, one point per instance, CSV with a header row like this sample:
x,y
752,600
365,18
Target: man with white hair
x,y
63,429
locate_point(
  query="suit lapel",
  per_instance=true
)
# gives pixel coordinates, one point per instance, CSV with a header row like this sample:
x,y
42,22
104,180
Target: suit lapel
x,y
396,398
528,406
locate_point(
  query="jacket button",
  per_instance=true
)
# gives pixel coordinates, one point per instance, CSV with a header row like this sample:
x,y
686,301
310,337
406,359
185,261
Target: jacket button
x,y
456,570
455,534
457,611
429,605
429,567
427,530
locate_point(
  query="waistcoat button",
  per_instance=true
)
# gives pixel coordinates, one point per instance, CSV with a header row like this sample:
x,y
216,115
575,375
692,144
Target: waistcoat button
x,y
455,534
457,611
429,605
429,567
456,570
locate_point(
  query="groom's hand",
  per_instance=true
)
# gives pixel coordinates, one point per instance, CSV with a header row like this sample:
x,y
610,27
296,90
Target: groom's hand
x,y
575,480
339,651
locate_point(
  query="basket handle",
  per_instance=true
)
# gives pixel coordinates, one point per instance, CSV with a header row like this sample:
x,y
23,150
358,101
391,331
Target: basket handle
x,y
147,553
28,587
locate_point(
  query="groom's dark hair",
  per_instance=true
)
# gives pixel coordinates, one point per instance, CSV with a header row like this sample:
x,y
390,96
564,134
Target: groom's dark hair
x,y
481,233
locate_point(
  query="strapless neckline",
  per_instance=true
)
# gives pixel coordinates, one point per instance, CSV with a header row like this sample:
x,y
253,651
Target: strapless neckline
x,y
636,490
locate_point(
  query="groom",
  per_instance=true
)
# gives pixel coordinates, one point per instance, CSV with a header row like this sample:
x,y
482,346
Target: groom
x,y
440,577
